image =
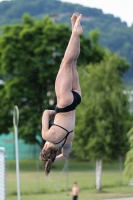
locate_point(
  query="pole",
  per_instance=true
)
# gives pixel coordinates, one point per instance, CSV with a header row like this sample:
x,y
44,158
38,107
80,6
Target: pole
x,y
2,174
15,123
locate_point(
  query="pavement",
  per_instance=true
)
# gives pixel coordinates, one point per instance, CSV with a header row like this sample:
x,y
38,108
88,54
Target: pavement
x,y
123,198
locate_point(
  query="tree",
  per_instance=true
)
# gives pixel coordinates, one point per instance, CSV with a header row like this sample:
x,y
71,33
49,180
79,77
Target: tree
x,y
30,56
101,118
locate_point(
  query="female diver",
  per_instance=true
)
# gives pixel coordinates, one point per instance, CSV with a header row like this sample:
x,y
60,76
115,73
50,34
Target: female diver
x,y
68,93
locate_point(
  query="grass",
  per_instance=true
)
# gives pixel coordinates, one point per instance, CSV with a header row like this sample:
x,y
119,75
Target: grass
x,y
35,186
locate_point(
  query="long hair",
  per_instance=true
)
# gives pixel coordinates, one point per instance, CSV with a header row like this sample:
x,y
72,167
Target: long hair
x,y
48,156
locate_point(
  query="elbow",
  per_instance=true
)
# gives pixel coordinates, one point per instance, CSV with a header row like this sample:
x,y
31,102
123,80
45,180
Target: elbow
x,y
45,138
45,112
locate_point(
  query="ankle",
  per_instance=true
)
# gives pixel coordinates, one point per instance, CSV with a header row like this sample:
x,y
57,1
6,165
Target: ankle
x,y
74,34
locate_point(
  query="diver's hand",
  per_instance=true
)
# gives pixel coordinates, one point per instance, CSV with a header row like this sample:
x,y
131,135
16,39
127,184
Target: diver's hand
x,y
46,145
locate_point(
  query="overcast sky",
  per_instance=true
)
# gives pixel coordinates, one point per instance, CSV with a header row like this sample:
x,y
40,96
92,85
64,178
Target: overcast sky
x,y
119,8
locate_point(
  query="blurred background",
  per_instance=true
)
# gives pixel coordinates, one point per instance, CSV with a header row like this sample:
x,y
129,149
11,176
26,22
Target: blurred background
x,y
33,37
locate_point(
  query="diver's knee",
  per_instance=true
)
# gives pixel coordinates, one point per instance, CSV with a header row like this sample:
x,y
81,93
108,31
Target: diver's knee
x,y
66,62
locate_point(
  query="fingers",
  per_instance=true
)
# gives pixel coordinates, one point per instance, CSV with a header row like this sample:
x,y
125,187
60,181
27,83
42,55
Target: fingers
x,y
45,146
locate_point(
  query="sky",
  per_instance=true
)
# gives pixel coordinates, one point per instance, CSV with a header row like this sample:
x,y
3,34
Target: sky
x,y
119,8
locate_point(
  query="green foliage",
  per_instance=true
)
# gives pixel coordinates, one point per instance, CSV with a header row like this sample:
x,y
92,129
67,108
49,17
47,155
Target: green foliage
x,y
128,170
101,118
115,34
94,36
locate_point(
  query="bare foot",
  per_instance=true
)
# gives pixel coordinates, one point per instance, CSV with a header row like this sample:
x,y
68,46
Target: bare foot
x,y
77,28
73,20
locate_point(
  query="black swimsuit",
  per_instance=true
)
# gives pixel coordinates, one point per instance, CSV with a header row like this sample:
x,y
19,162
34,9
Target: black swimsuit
x,y
76,101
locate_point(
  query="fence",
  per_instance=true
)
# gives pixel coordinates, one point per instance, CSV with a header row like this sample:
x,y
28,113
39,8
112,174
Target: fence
x,y
26,151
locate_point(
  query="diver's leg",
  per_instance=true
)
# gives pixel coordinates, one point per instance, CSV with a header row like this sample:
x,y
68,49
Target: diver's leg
x,y
64,79
75,82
